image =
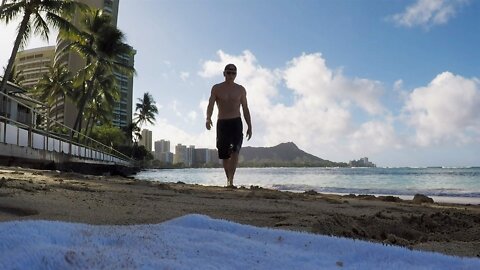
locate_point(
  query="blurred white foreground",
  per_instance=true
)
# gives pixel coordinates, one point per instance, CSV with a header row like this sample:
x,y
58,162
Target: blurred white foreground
x,y
199,242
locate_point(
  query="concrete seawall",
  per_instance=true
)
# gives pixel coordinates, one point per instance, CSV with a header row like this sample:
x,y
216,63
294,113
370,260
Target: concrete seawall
x,y
13,155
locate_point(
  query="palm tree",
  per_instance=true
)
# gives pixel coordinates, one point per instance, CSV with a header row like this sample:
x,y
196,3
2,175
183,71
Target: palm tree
x,y
100,109
54,85
16,77
146,110
132,131
100,43
37,16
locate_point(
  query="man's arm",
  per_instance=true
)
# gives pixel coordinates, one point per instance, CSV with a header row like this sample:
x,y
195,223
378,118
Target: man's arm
x,y
211,103
246,114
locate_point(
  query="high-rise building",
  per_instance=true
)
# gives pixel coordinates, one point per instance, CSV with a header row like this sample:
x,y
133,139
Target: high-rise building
x,y
190,155
165,157
146,139
180,154
122,110
201,156
212,157
162,151
33,64
162,146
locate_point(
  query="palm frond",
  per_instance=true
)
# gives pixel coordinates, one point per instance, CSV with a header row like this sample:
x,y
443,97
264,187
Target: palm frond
x,y
40,26
24,35
8,12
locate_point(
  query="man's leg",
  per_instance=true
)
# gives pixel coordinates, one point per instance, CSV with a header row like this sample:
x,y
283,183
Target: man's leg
x,y
226,166
230,166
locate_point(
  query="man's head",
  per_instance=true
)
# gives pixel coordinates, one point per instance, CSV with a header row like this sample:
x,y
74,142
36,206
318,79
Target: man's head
x,y
230,72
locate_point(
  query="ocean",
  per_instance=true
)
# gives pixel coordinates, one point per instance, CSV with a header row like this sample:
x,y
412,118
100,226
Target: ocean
x,y
458,185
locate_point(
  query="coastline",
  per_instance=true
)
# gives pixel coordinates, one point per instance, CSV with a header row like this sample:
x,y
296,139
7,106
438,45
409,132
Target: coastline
x,y
445,190
448,228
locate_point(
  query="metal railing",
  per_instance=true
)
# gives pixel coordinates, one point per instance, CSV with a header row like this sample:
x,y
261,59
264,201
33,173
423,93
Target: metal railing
x,y
27,135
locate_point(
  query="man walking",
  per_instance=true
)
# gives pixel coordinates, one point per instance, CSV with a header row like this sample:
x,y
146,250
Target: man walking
x,y
229,96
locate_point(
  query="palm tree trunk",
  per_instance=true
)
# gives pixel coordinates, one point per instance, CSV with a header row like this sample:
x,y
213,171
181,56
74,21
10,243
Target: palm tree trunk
x,y
82,104
16,46
83,101
18,41
91,124
87,126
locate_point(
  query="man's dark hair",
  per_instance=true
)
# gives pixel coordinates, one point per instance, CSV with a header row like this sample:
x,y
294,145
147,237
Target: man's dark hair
x,y
230,67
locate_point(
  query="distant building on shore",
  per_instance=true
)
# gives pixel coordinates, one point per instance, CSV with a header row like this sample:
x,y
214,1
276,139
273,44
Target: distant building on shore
x,y
162,152
204,156
180,155
162,146
146,139
185,156
363,162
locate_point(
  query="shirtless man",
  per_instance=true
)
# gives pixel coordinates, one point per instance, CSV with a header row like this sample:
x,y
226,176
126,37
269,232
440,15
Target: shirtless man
x,y
229,96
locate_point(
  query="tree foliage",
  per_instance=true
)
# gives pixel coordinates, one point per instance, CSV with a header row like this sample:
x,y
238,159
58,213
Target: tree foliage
x,y
37,16
145,110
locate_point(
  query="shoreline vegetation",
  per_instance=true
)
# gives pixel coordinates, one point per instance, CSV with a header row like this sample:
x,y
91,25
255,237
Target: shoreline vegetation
x,y
27,194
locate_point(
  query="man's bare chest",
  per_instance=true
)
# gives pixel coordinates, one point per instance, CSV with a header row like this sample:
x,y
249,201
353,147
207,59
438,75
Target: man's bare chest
x,y
229,94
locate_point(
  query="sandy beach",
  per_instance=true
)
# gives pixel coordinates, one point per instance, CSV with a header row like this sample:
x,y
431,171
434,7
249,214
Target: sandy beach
x,y
27,194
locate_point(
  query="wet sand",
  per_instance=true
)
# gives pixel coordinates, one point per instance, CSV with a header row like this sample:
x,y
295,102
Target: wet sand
x,y
27,194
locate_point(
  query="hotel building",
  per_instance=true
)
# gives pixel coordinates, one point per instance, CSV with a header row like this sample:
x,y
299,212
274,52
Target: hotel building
x,y
33,64
66,110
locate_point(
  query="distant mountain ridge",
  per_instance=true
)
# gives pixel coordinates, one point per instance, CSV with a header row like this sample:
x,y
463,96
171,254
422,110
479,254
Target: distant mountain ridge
x,y
284,154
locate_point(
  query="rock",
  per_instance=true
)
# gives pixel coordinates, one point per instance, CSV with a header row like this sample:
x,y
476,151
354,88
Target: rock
x,y
311,192
390,199
366,197
420,198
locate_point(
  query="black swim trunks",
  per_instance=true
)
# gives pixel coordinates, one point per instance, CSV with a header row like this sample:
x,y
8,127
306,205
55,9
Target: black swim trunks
x,y
229,137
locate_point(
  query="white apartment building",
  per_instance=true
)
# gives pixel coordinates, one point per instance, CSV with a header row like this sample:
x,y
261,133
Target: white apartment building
x,y
33,64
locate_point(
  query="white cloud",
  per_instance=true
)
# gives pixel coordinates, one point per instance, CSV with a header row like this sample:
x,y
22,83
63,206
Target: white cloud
x,y
320,118
192,115
323,115
310,78
373,137
187,117
447,110
184,76
427,13
398,85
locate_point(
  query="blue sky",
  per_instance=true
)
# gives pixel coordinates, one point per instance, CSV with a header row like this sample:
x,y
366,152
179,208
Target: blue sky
x,y
396,81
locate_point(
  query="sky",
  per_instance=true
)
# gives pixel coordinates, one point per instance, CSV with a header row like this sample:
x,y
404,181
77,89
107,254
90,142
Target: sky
x,y
199,242
393,80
